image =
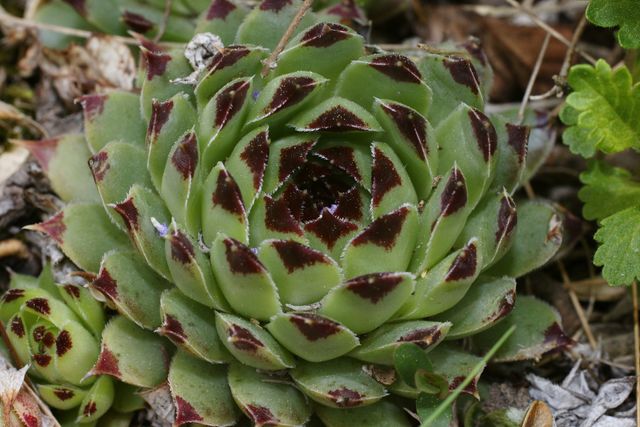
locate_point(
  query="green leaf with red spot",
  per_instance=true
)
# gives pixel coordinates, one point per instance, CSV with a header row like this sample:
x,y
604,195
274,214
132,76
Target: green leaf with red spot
x,y
223,210
271,218
286,157
453,79
62,397
243,279
80,300
468,139
302,275
539,331
230,63
339,383
64,161
537,240
513,141
383,413
97,401
222,18
267,401
248,162
312,337
191,269
16,332
76,350
336,115
389,240
41,338
456,364
385,76
487,302
112,117
284,96
412,138
310,49
200,392
132,354
222,119
329,233
268,21
391,186
493,222
446,283
380,346
128,284
190,326
251,344
137,211
350,158
180,188
366,302
70,228
169,120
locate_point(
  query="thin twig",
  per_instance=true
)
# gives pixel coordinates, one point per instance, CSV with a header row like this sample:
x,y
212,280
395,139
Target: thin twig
x,y
577,306
549,29
532,79
636,341
564,71
165,19
270,63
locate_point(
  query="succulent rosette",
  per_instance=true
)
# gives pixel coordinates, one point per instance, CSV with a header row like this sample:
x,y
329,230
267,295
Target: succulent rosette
x,y
271,235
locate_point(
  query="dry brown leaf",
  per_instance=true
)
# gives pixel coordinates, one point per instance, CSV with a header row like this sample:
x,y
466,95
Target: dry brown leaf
x,y
538,415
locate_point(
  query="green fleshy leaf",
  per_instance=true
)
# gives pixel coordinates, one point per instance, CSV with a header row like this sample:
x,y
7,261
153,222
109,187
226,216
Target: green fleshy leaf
x,y
59,13
62,397
619,239
336,115
271,219
381,414
601,110
97,401
512,152
83,304
222,18
76,351
607,190
458,365
427,404
391,186
623,14
286,156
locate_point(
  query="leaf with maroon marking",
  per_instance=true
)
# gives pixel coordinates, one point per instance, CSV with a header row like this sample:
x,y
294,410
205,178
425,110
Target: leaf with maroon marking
x,y
223,210
160,68
248,163
411,136
76,350
272,219
13,300
62,397
391,186
453,79
352,158
385,76
445,284
330,233
513,141
189,325
90,311
442,220
97,401
366,302
191,269
222,119
487,302
230,63
222,18
16,331
200,392
136,211
180,188
389,240
384,411
493,222
312,337
115,168
309,49
339,383
539,331
243,279
286,156
251,344
130,286
64,161
336,115
169,120
380,346
41,305
42,358
132,354
534,243
265,401
468,139
284,96
303,275
112,117
267,22
456,364
70,228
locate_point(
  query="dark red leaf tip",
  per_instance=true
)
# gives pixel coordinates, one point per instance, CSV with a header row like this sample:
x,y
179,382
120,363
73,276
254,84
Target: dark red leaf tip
x,y
465,265
463,72
274,5
155,61
397,67
136,22
160,113
241,258
423,337
64,343
315,327
182,249
329,228
72,290
99,165
556,336
338,119
230,101
106,285
12,295
350,205
243,339
64,393
172,329
454,195
346,398
129,213
296,256
54,227
411,124
291,91
255,156
227,195
43,150
383,231
107,364
348,11
484,133
343,158
93,105
278,218
474,47
185,412
518,138
17,327
384,176
506,305
41,305
185,157
227,57
292,158
324,34
42,359
507,218
89,409
374,287
220,9
261,416
78,5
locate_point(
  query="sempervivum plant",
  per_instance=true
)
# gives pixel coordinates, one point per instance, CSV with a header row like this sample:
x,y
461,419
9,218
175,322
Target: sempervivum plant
x,y
289,226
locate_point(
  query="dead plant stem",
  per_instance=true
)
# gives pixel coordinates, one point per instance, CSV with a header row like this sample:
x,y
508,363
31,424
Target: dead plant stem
x,y
532,79
636,342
